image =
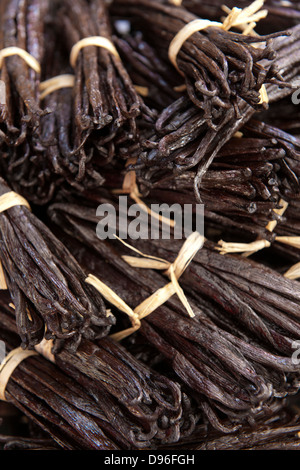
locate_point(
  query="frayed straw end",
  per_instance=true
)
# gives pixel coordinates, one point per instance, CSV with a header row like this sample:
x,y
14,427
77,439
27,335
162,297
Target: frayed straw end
x,y
3,284
292,241
293,272
231,247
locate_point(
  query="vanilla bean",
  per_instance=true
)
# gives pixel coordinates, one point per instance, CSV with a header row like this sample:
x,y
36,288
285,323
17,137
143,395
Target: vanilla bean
x,y
199,350
135,405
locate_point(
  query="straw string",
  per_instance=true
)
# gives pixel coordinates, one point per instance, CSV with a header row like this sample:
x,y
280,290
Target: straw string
x,y
174,270
44,348
11,199
16,356
293,272
247,249
28,58
8,200
99,41
9,364
56,83
244,19
130,187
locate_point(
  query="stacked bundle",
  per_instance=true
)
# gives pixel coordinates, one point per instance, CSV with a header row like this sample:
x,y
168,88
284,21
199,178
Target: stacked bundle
x,y
167,102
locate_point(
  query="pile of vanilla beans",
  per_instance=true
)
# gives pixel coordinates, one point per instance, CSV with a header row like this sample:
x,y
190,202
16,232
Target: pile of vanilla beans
x,y
219,126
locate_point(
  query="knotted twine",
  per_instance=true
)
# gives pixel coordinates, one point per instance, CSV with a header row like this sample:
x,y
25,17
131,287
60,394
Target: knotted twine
x,y
248,249
130,187
173,270
244,19
8,200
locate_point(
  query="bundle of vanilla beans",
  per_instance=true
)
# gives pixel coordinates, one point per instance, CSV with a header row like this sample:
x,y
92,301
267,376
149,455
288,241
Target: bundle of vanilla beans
x,y
100,397
88,120
47,286
104,104
183,139
235,355
280,15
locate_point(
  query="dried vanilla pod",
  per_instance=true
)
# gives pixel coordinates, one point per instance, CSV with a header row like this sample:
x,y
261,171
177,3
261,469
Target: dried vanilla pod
x,y
245,183
261,299
48,280
198,349
147,70
22,26
284,115
24,166
184,140
277,430
106,105
60,156
55,403
206,367
137,407
218,66
281,15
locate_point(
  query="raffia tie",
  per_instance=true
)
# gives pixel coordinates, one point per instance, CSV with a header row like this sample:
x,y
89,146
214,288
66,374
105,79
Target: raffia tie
x,y
99,41
16,356
244,19
9,364
174,270
8,200
248,249
293,272
177,3
28,58
56,83
130,187
68,80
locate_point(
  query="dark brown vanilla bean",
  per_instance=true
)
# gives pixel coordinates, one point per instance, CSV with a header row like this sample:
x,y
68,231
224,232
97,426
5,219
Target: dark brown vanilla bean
x,y
185,141
280,15
201,351
104,95
277,431
215,365
43,275
207,60
273,297
136,406
56,403
245,183
22,26
148,70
